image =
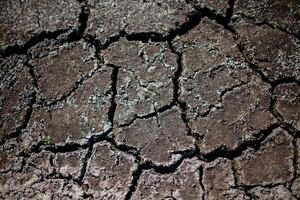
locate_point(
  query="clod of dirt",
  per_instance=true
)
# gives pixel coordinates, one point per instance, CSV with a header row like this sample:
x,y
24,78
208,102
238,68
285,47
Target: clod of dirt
x,y
277,192
275,53
23,20
219,7
16,94
288,103
279,14
109,172
182,184
83,113
219,181
271,164
145,77
157,139
227,103
109,18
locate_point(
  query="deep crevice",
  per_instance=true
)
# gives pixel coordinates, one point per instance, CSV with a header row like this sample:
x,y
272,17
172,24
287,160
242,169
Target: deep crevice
x,y
193,20
230,10
83,19
124,148
136,176
168,169
177,74
22,49
200,171
85,163
113,104
220,19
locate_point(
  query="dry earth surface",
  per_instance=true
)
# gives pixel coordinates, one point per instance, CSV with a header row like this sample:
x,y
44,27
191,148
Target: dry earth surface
x,y
150,99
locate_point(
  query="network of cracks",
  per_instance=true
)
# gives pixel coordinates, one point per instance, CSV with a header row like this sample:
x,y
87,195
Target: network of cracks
x,y
152,99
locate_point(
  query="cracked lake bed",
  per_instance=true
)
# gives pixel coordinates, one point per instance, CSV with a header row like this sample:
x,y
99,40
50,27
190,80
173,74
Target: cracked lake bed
x,y
152,99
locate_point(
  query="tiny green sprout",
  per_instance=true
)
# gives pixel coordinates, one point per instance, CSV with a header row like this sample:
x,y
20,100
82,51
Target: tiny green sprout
x,y
210,8
48,141
275,24
113,147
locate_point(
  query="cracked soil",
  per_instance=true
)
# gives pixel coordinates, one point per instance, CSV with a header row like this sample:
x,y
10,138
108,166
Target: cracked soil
x,y
150,99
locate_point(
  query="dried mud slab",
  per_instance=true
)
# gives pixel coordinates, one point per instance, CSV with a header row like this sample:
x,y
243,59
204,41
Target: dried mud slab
x,y
211,63
288,103
109,173
82,114
242,117
279,14
150,99
277,192
16,93
70,164
184,183
298,156
275,53
75,107
47,189
296,187
271,164
219,7
227,103
157,138
9,157
219,181
29,181
58,68
109,18
22,20
144,79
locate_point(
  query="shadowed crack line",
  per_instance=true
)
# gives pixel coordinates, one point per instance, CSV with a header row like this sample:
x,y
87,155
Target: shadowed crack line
x,y
177,74
82,20
108,41
200,171
223,152
132,188
229,11
85,163
22,49
234,172
220,19
193,20
113,104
